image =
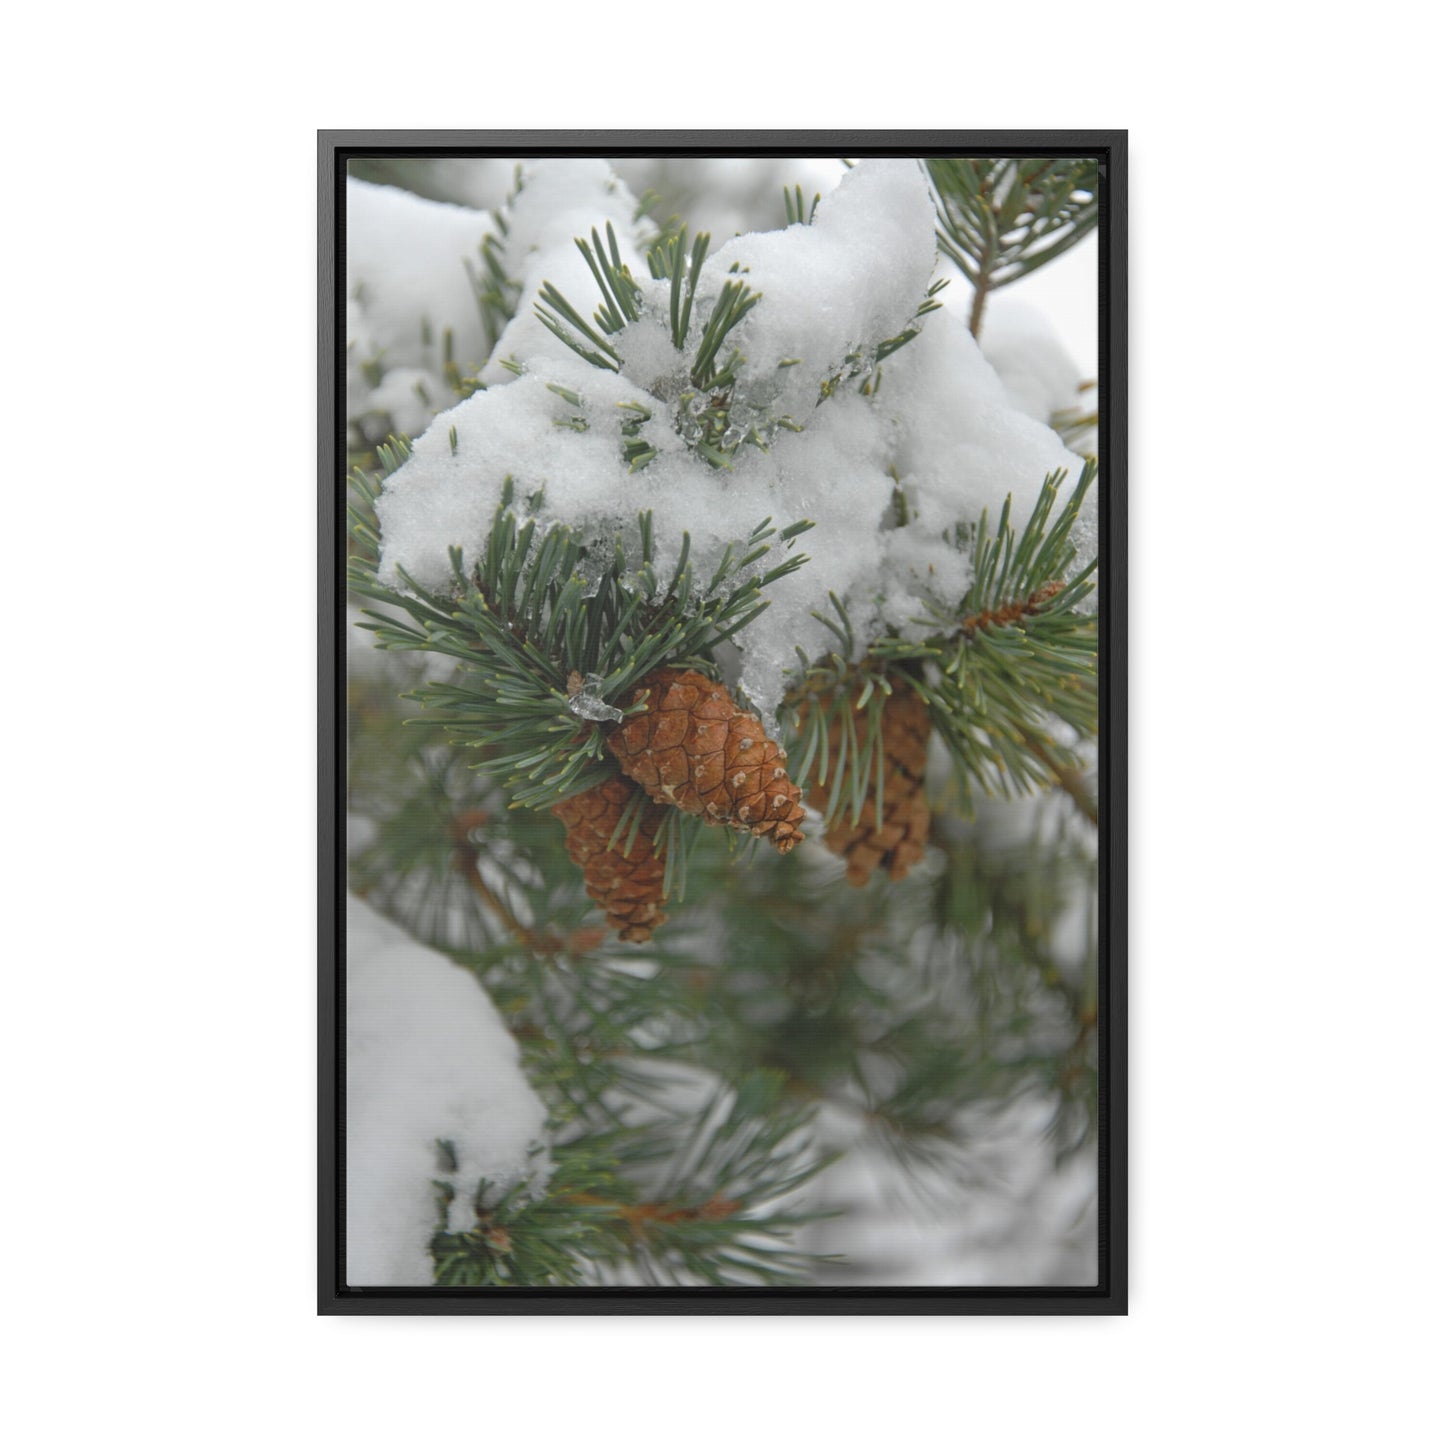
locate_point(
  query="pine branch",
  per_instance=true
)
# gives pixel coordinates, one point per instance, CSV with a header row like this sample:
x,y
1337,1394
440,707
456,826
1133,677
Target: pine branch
x,y
466,859
1078,425
793,207
617,1207
497,292
842,701
526,619
999,220
702,413
920,1017
1010,926
814,992
668,259
865,367
1014,666
1023,657
1010,613
1070,779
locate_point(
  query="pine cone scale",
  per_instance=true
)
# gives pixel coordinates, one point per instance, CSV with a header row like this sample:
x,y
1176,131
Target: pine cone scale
x,y
696,749
670,729
900,841
624,881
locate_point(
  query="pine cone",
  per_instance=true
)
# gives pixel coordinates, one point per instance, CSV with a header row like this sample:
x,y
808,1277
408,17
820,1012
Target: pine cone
x,y
625,883
899,844
697,749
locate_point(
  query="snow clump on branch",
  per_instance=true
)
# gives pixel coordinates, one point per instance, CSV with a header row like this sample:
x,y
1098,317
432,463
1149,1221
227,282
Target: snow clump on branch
x,y
428,1060
892,476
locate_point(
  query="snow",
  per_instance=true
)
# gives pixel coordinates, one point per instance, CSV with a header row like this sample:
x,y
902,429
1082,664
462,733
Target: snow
x,y
1041,378
852,279
406,268
481,182
408,397
720,194
427,1059
406,285
962,445
942,428
561,200
1066,290
444,496
1020,343
727,194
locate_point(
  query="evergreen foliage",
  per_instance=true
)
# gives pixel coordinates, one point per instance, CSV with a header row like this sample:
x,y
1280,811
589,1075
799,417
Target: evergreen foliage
x,y
528,620
1000,219
692,1198
1000,675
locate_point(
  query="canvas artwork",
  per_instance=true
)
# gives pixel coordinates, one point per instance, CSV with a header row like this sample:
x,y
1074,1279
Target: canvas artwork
x,y
721,753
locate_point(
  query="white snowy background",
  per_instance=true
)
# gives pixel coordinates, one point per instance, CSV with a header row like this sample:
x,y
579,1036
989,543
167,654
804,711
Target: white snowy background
x,y
159,1018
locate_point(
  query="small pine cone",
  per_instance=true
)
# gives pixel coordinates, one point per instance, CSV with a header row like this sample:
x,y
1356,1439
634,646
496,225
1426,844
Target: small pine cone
x,y
899,844
697,749
625,883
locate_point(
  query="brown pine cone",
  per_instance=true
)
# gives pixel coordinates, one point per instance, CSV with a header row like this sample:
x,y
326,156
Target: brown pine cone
x,y
626,883
697,749
899,844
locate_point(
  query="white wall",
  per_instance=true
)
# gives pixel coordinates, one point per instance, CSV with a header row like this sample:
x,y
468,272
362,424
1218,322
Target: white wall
x,y
158,372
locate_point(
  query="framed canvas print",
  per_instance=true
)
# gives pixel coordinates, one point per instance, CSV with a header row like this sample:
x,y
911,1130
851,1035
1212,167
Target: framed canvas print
x,y
722,642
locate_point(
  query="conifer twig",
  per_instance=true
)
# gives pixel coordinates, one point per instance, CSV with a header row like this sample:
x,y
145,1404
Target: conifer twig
x,y
1070,780
465,856
1000,219
1011,612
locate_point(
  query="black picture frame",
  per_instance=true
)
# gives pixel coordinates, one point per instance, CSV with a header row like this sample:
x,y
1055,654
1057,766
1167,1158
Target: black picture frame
x,y
1108,1297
